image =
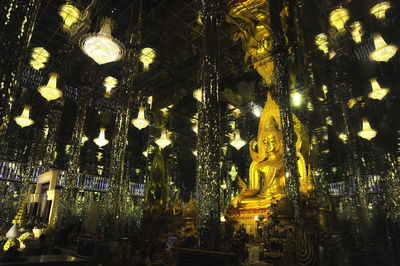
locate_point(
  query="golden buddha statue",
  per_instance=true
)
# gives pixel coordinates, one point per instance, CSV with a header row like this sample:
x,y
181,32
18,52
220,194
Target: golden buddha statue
x,y
267,171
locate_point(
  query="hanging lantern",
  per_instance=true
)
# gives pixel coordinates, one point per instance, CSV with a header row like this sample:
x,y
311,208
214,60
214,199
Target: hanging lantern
x,y
338,18
23,120
237,142
101,139
321,40
101,46
39,56
377,92
367,132
357,31
140,122
197,94
147,57
70,15
163,141
50,91
383,52
109,83
379,10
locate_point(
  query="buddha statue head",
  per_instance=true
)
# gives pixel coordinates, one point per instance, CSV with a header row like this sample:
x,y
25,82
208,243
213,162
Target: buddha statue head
x,y
272,142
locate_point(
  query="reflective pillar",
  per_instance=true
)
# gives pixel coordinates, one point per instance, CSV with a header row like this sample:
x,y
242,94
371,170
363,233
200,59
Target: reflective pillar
x,y
208,137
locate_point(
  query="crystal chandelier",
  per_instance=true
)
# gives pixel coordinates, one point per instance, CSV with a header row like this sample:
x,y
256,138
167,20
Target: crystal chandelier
x,y
70,15
357,31
367,132
237,141
109,83
140,122
379,10
383,52
164,140
233,173
101,46
321,40
39,56
147,57
50,91
101,139
23,120
377,92
339,17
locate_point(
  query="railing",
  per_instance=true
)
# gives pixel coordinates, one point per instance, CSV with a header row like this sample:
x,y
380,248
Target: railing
x,y
337,189
11,171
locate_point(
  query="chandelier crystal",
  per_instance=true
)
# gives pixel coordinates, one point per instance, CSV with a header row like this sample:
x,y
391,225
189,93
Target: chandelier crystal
x,y
338,18
379,10
101,139
39,56
70,15
377,92
23,120
383,52
101,46
367,132
321,40
140,122
147,57
109,83
50,91
237,141
164,140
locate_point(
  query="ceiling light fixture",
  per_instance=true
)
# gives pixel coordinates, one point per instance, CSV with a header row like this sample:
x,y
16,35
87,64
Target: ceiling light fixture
x,y
101,46
357,31
377,92
101,139
379,10
70,15
109,83
147,57
164,140
383,52
237,141
50,91
339,17
23,120
321,40
140,122
367,132
39,56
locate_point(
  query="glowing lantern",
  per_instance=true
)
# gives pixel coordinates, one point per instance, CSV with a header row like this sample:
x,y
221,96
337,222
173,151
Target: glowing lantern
x,y
140,122
237,141
101,139
147,57
50,91
377,92
101,46
23,120
321,40
357,31
367,132
383,52
379,10
163,141
70,15
338,18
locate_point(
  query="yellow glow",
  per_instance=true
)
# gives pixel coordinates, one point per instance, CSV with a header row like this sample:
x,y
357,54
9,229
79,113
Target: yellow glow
x,y
197,94
338,18
70,15
194,152
297,99
39,57
237,141
379,10
140,122
109,83
321,40
195,128
101,139
50,91
256,218
36,64
101,46
23,120
222,219
147,57
236,112
164,140
367,132
383,52
357,31
145,153
233,173
84,139
343,137
377,92
223,185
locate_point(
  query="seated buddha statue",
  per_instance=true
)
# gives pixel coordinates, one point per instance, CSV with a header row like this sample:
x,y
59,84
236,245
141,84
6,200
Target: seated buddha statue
x,y
267,171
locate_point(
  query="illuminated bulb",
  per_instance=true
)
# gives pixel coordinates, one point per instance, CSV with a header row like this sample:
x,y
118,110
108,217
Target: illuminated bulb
x,y
257,111
377,92
109,83
140,122
70,15
101,46
195,128
357,31
147,57
163,141
101,139
379,10
352,102
50,91
237,141
297,99
39,57
222,219
321,40
383,52
150,100
84,139
343,137
197,94
367,132
338,18
256,218
23,120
